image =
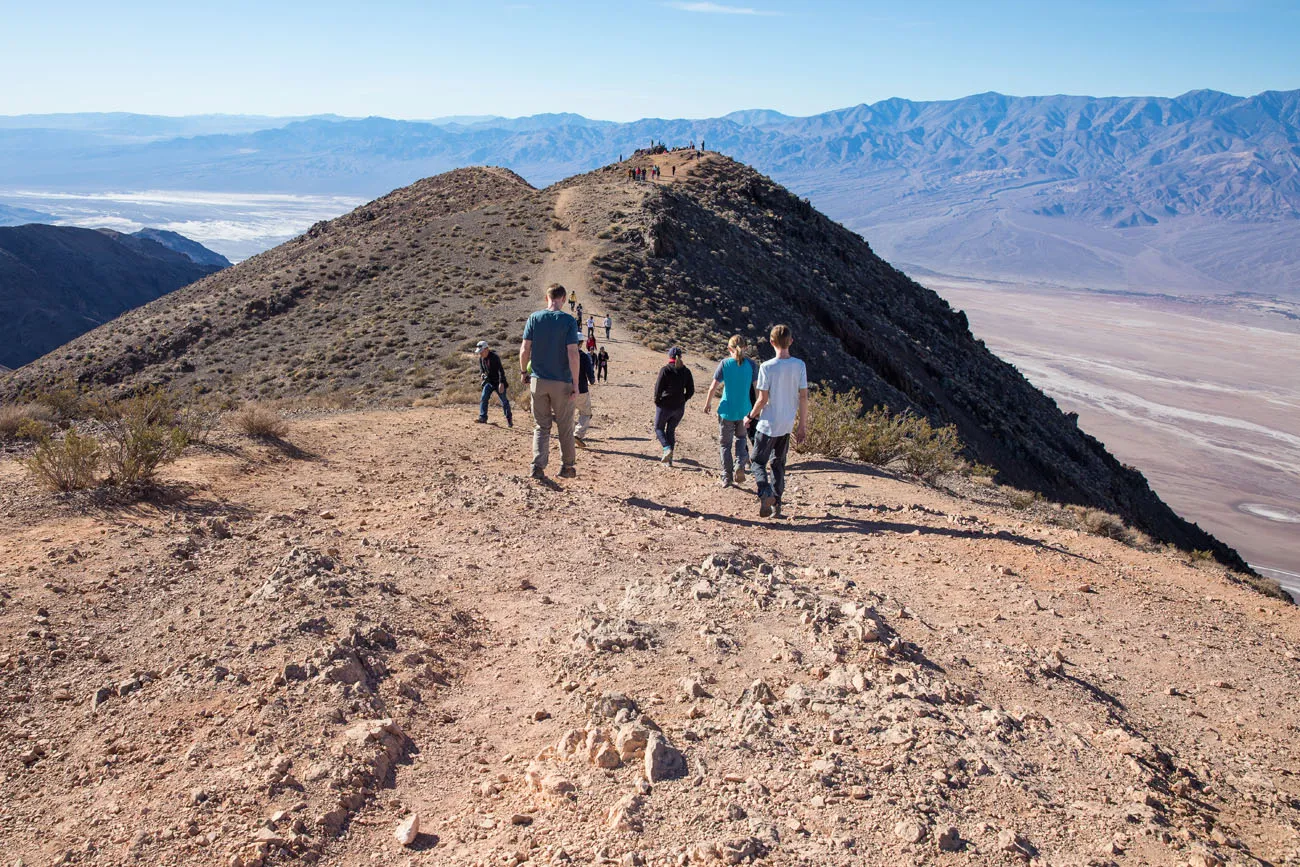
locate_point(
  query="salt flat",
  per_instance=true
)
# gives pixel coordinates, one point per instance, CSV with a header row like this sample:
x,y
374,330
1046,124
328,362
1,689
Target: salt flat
x,y
1202,395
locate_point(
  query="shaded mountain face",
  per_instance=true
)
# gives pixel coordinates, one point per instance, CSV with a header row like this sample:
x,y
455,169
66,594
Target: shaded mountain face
x,y
386,302
14,216
57,282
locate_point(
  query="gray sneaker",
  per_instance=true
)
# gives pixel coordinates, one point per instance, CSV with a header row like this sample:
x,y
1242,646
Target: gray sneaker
x,y
568,473
765,505
740,475
538,473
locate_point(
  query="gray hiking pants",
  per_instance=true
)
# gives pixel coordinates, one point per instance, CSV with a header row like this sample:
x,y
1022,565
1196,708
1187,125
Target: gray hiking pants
x,y
551,404
732,434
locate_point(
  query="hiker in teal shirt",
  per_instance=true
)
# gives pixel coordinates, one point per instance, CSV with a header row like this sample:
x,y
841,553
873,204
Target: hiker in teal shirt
x,y
735,378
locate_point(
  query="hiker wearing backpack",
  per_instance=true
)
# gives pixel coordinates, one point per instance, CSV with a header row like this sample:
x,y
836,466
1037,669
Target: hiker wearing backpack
x,y
780,410
734,379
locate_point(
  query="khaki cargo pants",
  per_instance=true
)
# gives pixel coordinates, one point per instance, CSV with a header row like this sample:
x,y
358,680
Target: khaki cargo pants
x,y
551,404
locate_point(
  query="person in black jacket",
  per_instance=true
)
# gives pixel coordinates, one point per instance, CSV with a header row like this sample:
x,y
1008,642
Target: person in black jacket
x,y
494,380
673,388
586,378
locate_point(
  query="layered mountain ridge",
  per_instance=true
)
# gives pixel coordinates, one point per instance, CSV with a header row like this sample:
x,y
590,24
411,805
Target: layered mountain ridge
x,y
1198,193
57,282
383,304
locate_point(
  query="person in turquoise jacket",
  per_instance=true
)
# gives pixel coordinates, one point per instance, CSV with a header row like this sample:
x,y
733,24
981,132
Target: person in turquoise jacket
x,y
734,379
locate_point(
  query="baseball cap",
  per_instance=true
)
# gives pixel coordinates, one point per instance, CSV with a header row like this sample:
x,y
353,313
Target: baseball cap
x,y
675,352
482,345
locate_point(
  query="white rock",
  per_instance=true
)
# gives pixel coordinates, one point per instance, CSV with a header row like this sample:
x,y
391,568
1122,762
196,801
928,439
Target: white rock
x,y
408,830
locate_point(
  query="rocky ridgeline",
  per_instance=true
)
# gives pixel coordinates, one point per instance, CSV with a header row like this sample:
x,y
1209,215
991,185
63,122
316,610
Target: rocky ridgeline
x,y
807,731
726,250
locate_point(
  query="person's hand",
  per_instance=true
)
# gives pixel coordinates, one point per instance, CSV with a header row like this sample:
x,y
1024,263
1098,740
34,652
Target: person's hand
x,y
706,409
573,395
501,390
800,433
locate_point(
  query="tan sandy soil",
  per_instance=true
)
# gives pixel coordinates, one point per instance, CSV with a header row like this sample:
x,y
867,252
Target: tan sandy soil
x,y
294,649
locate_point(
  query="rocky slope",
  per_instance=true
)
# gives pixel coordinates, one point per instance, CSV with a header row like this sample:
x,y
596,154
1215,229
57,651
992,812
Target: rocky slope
x,y
382,303
57,282
287,655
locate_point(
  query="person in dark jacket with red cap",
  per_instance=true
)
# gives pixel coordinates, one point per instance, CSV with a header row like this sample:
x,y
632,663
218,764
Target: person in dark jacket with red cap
x,y
673,388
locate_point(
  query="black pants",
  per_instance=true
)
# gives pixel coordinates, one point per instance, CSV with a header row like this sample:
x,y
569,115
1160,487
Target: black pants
x,y
769,451
666,421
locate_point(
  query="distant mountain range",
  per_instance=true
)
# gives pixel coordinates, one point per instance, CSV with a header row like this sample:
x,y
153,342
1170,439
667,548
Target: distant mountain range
x,y
57,282
1198,193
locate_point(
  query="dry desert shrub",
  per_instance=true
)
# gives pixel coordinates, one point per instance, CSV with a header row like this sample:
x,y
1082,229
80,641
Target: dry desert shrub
x,y
67,464
142,433
1019,499
259,420
1100,523
838,427
25,421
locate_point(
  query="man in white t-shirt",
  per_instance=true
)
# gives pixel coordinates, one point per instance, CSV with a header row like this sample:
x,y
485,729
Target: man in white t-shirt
x,y
781,409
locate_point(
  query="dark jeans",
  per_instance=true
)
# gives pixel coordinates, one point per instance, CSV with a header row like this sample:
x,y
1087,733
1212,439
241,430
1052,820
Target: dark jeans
x,y
666,420
488,390
607,332
769,450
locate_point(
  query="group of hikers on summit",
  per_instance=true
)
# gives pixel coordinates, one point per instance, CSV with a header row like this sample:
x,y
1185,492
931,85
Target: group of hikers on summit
x,y
760,407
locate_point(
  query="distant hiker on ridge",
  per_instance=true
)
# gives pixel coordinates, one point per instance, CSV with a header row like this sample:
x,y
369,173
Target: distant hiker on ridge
x,y
609,323
602,365
673,388
591,325
550,345
734,379
493,377
573,299
782,407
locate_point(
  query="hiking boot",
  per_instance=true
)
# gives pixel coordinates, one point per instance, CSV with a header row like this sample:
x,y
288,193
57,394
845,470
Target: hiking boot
x,y
667,456
580,442
725,483
776,510
481,419
510,422
740,475
569,473
538,473
765,505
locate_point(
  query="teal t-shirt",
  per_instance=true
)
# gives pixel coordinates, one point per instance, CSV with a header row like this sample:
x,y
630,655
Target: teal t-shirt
x,y
552,333
736,378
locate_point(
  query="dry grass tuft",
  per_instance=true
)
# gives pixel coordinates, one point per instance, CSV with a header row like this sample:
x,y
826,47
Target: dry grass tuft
x,y
259,420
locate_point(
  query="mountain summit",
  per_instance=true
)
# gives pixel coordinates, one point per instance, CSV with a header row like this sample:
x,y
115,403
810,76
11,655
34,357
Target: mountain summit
x,y
383,303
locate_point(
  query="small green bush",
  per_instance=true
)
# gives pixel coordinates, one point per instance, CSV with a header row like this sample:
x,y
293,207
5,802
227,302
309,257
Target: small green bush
x,y
67,464
143,433
833,422
880,437
930,452
25,421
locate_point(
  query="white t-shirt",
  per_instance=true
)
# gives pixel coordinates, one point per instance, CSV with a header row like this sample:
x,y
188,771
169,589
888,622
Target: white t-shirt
x,y
781,378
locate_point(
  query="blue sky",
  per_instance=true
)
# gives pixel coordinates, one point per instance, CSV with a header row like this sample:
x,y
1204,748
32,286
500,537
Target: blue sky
x,y
623,59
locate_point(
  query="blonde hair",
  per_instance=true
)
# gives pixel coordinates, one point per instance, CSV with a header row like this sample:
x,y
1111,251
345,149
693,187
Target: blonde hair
x,y
781,337
737,341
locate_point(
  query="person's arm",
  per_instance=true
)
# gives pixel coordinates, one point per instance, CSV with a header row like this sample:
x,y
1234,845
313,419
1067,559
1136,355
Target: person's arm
x,y
761,403
659,385
714,388
525,356
574,370
801,428
690,383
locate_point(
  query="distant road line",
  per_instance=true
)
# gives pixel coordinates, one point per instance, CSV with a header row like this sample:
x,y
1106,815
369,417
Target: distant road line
x,y
1290,581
